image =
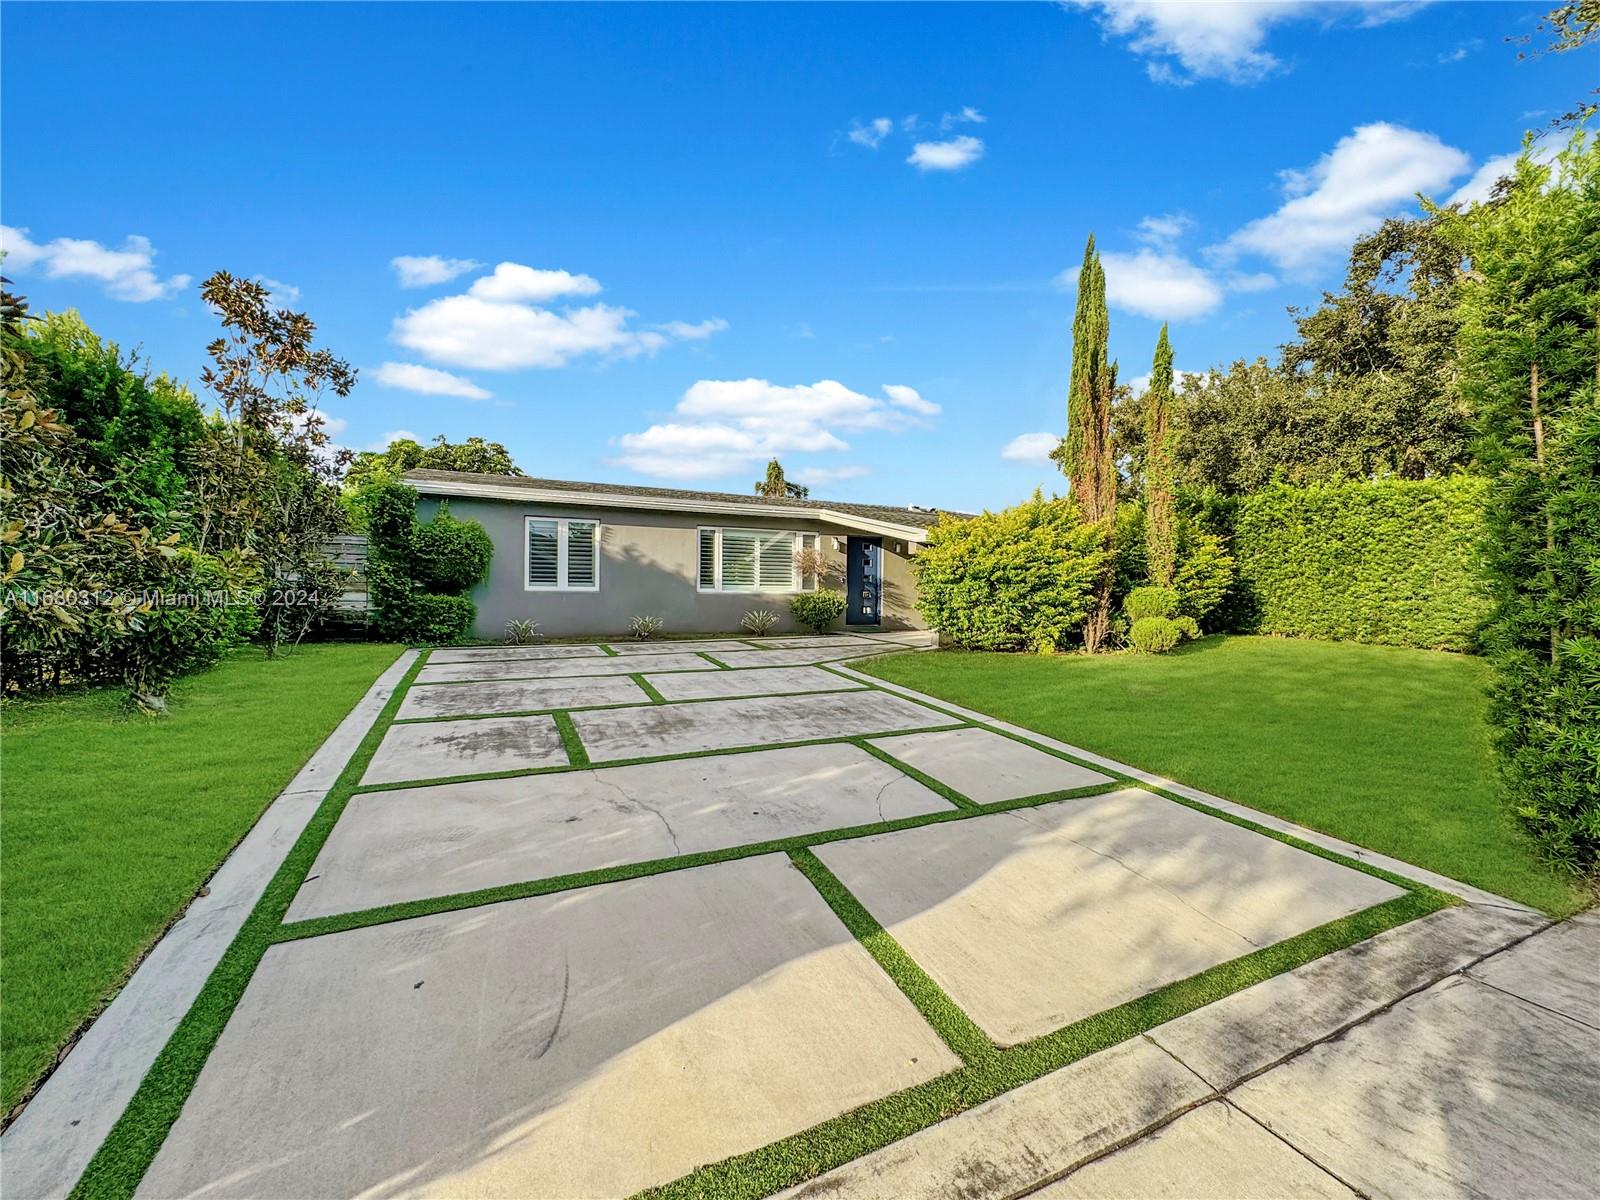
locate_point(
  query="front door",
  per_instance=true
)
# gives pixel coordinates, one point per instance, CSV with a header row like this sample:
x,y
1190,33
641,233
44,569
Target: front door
x,y
864,577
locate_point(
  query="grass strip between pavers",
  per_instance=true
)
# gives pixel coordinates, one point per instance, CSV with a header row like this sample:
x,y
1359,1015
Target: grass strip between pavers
x,y
648,688
550,710
128,1150
570,741
131,1146
794,1159
959,799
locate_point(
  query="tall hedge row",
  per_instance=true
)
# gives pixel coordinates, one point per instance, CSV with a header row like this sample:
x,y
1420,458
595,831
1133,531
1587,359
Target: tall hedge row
x,y
1394,562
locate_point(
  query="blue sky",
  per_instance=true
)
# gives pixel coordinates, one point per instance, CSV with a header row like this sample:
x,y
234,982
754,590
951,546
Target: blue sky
x,y
844,234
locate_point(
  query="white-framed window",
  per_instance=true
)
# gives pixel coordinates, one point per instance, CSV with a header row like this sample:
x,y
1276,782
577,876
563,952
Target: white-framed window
x,y
561,554
752,560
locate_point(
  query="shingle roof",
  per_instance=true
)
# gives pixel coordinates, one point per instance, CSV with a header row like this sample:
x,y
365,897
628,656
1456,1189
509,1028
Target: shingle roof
x,y
921,518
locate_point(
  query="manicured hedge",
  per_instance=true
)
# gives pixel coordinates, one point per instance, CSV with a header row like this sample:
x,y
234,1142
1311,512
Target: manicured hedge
x,y
1393,562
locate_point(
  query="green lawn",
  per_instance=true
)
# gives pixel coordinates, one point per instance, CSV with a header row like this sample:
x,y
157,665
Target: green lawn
x,y
111,822
1380,746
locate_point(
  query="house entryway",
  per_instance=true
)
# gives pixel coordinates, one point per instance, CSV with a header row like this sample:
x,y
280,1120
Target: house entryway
x,y
864,581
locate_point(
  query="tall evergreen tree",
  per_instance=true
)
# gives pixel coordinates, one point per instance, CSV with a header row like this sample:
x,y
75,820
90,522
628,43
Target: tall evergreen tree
x,y
1086,454
1160,540
777,487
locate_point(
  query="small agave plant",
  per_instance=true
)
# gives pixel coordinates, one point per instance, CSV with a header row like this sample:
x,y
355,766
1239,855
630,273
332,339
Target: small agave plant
x,y
521,633
760,621
644,628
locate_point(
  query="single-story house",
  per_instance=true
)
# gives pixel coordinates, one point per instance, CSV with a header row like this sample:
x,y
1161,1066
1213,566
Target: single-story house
x,y
587,557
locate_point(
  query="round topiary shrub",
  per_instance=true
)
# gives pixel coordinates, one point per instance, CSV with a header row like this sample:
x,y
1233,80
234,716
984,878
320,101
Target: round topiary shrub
x,y
1157,635
817,610
1145,602
439,620
448,555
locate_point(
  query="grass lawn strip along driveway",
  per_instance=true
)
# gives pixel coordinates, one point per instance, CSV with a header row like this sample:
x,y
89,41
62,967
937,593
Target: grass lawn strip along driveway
x,y
986,1071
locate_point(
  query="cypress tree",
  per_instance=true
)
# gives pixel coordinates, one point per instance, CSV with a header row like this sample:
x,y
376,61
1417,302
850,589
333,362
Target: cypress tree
x,y
1160,542
1086,453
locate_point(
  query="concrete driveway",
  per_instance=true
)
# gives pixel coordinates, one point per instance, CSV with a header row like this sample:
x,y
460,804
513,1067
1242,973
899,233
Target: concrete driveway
x,y
597,917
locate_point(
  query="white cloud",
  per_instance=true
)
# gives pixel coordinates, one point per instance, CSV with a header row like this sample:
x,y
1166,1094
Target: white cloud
x,y
126,274
514,283
1030,447
1140,382
910,399
823,476
1164,230
1184,40
422,270
950,155
967,116
683,331
1252,281
498,324
1157,283
411,377
724,426
1372,173
872,133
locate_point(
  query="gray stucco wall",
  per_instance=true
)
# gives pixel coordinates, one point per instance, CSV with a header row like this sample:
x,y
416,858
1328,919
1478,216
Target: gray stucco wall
x,y
648,562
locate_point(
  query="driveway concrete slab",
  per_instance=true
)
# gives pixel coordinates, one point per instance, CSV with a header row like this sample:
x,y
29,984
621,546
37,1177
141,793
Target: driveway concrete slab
x,y
610,734
558,668
1213,1151
436,749
1254,1028
468,654
584,1044
1460,1090
803,657
1559,969
834,641
517,695
762,681
1036,918
459,837
1016,1141
677,647
987,767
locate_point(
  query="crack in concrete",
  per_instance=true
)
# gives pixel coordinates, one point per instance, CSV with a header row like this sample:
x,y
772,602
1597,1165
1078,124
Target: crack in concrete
x,y
640,804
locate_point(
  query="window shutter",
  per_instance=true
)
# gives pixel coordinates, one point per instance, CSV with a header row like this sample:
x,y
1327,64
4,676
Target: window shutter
x,y
739,559
542,553
708,559
580,554
777,562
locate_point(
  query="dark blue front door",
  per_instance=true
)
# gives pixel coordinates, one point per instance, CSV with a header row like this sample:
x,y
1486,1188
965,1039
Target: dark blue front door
x,y
864,576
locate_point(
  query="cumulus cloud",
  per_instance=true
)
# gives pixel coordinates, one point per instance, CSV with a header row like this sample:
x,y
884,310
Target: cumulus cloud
x,y
421,270
412,377
1182,40
513,283
1158,283
500,324
1372,173
1030,447
871,134
390,438
125,274
951,154
721,427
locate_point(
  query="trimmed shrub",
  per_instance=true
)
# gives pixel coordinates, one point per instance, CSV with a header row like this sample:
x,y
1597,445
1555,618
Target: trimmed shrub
x,y
435,619
1151,602
448,555
1393,562
1157,635
1019,579
818,610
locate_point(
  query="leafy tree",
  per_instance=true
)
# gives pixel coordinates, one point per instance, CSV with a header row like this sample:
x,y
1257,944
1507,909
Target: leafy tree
x,y
1530,336
776,487
1086,455
1159,538
474,455
267,472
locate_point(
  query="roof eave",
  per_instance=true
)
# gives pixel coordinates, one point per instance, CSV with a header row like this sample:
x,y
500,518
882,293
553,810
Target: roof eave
x,y
491,491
